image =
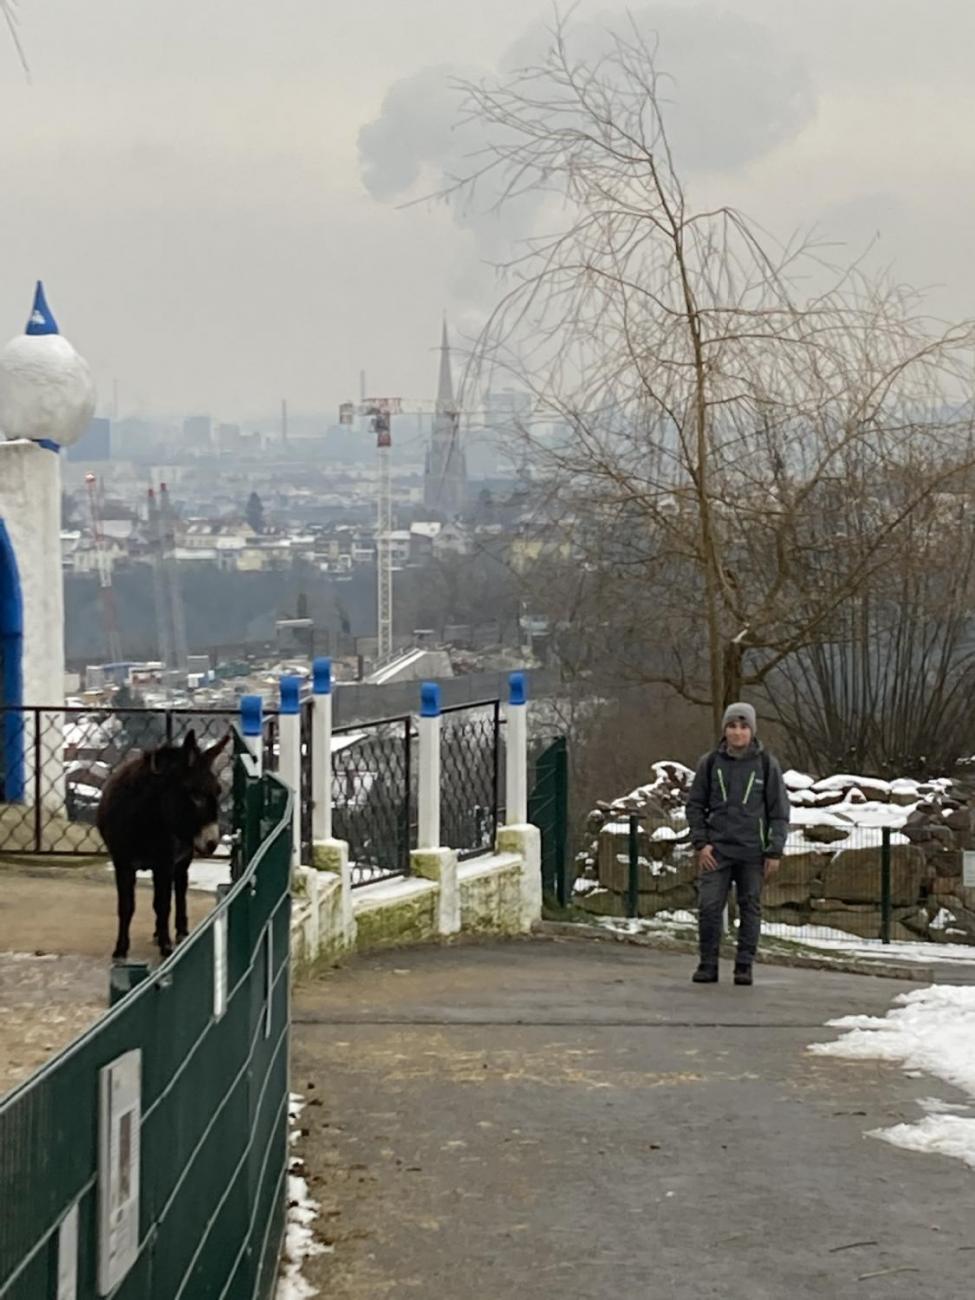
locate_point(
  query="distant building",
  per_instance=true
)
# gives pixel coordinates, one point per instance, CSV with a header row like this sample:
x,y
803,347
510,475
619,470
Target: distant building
x,y
506,411
228,437
95,444
198,432
445,475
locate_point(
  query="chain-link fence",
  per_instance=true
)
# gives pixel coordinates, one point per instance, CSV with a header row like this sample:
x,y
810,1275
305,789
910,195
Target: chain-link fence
x,y
54,764
470,776
374,796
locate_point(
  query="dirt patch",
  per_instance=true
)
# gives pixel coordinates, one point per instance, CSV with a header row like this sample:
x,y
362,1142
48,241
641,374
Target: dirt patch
x,y
58,910
57,930
47,1002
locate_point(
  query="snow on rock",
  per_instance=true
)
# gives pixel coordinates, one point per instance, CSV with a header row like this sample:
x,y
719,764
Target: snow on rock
x,y
795,781
943,919
844,781
930,1030
803,798
802,816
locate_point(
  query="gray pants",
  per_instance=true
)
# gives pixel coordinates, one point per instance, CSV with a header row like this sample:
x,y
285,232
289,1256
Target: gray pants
x,y
713,889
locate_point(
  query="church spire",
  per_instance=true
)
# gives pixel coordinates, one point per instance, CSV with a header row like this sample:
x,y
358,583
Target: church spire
x,y
445,386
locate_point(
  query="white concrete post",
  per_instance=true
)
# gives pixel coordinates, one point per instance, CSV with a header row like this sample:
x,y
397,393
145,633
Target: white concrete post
x,y
328,855
428,835
516,752
252,730
430,859
321,751
289,752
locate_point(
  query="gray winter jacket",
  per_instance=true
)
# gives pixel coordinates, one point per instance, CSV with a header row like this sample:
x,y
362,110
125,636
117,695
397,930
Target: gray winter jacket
x,y
742,816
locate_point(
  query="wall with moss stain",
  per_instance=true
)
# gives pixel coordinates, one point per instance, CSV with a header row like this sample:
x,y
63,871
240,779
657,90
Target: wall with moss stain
x,y
331,944
491,904
398,922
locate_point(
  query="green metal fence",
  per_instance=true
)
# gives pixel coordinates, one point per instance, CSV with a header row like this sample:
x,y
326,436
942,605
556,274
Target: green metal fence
x,y
179,1193
548,809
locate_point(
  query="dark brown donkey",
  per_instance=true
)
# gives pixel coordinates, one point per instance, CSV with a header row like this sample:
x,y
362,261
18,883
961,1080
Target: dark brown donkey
x,y
156,811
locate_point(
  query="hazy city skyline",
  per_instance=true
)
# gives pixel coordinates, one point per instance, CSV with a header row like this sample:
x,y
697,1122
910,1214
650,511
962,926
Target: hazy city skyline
x,y
210,191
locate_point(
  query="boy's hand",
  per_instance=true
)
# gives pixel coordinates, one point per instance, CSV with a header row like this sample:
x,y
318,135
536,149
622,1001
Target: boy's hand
x,y
771,867
706,859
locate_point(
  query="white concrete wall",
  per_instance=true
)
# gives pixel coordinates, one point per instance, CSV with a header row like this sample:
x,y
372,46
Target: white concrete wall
x,y
30,506
487,895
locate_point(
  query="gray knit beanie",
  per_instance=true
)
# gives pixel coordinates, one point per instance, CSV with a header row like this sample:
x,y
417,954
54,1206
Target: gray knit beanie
x,y
743,711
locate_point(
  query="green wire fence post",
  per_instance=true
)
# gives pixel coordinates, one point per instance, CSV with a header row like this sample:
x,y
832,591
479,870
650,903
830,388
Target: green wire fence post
x,y
633,882
885,907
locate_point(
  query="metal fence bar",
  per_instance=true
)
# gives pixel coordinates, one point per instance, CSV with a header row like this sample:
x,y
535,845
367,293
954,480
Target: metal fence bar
x,y
633,869
470,776
373,793
885,890
407,843
38,786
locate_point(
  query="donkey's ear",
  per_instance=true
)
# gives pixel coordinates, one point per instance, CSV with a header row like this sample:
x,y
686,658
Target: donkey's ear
x,y
214,751
191,751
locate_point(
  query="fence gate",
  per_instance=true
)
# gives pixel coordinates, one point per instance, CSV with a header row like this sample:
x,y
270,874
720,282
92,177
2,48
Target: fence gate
x,y
548,809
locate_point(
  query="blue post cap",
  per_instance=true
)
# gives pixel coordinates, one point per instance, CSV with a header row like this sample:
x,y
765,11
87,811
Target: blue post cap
x,y
290,692
251,715
321,676
517,689
41,317
429,700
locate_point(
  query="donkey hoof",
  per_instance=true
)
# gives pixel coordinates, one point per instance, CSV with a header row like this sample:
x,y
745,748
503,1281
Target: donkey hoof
x,y
120,954
181,935
165,948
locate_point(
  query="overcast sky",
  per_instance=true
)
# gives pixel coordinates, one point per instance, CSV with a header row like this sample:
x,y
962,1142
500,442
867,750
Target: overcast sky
x,y
209,188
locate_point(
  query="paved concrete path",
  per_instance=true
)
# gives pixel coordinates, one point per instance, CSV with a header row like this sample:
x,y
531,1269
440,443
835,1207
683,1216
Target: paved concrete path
x,y
573,1119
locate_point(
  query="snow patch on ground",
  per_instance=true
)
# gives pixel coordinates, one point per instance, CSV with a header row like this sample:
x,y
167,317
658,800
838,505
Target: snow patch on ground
x,y
932,1031
851,945
822,937
299,1238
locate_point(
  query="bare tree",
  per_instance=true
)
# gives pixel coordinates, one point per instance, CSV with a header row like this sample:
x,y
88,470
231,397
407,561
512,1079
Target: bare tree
x,y
720,397
8,11
889,691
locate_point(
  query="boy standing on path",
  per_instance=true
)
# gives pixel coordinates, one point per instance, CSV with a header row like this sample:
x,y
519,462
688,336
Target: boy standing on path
x,y
738,812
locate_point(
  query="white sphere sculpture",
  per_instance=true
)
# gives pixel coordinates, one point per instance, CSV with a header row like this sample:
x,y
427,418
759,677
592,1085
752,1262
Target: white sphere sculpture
x,y
46,391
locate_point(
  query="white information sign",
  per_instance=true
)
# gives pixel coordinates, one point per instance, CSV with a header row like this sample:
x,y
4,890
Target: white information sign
x,y
68,1256
119,1120
968,869
219,965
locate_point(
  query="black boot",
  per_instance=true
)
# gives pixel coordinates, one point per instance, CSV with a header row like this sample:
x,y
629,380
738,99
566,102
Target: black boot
x,y
743,972
705,974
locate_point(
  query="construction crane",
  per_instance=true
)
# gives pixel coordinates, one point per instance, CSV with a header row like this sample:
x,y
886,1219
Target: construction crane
x,y
174,588
166,587
444,457
104,567
379,411
163,630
